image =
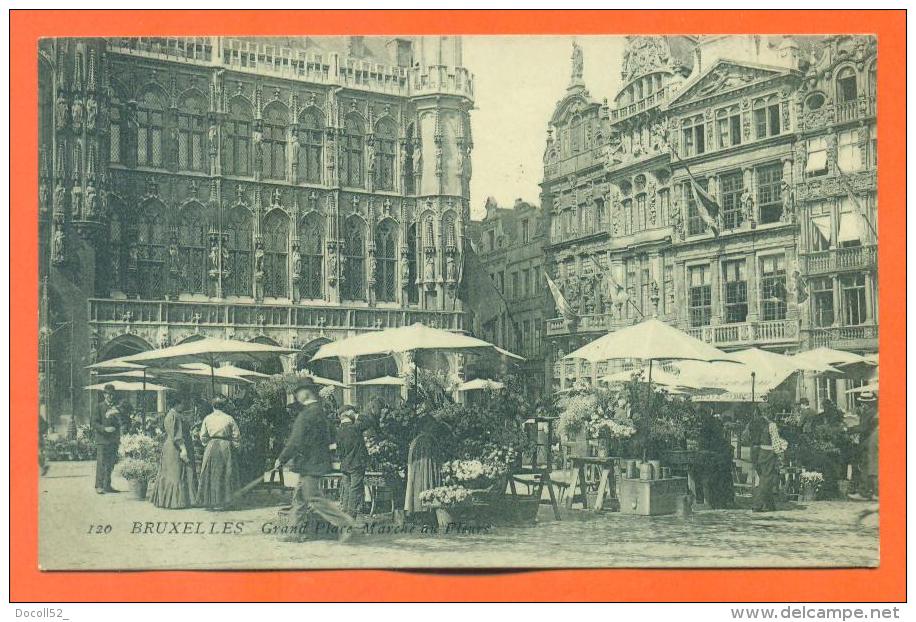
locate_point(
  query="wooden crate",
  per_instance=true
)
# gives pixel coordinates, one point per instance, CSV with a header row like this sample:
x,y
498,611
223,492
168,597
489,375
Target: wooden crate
x,y
651,497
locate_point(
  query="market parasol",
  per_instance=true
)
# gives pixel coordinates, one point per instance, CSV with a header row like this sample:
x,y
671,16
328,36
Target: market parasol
x,y
384,381
481,384
124,385
661,377
829,357
211,351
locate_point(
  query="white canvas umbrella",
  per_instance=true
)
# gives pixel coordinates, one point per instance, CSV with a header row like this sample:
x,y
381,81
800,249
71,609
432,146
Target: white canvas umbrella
x,y
829,358
327,382
211,351
114,365
481,384
871,387
124,385
384,381
660,377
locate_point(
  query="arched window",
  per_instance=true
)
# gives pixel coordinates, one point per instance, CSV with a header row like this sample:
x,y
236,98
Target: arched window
x,y
410,186
192,133
193,250
640,215
429,232
311,131
351,156
354,260
575,138
115,120
114,250
276,250
150,128
273,147
846,87
385,134
240,252
413,294
151,251
237,139
386,249
311,250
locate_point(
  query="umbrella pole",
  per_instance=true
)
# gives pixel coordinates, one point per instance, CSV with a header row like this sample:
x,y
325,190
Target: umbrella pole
x,y
753,383
142,400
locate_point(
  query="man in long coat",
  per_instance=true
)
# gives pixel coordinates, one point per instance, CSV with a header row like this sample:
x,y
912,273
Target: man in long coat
x,y
308,448
758,435
107,436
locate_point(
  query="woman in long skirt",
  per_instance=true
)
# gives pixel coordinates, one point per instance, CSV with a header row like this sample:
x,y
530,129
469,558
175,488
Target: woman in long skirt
x,y
219,472
423,462
176,484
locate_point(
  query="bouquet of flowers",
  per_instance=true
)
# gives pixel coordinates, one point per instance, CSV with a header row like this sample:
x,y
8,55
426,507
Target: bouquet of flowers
x,y
137,469
614,429
139,446
472,473
811,479
445,496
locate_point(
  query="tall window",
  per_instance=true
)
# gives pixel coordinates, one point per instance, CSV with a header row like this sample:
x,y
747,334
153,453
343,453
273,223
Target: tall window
x,y
695,223
731,185
385,135
766,117
413,293
449,231
311,250
640,214
386,261
354,260
276,251
849,156
351,156
735,291
846,88
273,145
240,253
600,215
576,134
873,81
237,139
852,289
192,132
699,302
817,157
821,290
152,251
728,126
311,131
115,119
193,247
873,146
150,128
408,172
769,193
821,230
693,133
773,287
524,229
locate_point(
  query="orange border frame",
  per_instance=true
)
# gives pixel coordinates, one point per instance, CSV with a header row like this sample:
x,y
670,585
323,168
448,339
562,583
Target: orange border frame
x,y
27,583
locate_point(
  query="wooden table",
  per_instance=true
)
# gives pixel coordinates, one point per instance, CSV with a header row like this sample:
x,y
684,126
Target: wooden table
x,y
540,478
606,481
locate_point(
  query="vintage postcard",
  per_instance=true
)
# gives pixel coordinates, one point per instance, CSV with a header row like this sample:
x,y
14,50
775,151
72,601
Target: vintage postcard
x,y
442,301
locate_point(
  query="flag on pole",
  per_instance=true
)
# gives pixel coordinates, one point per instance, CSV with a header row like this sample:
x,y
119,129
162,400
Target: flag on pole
x,y
476,288
706,206
860,210
562,305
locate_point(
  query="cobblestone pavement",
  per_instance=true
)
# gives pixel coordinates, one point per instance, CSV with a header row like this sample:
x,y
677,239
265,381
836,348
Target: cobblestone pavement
x,y
74,535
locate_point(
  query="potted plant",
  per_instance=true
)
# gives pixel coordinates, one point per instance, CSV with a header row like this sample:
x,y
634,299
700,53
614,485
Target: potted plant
x,y
138,472
139,461
449,503
811,482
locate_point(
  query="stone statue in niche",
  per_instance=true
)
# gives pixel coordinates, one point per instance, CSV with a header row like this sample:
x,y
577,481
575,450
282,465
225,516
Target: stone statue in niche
x,y
788,202
297,262
226,263
259,260
62,111
57,244
92,110
332,264
429,269
212,137
76,200
451,273
133,256
173,257
747,207
214,257
44,195
417,158
91,202
76,113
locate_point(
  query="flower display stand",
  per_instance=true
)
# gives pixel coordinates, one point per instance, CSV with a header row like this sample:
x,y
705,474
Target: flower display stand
x,y
652,497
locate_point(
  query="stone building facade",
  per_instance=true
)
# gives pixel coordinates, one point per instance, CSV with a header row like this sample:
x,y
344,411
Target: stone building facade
x,y
510,243
734,114
292,190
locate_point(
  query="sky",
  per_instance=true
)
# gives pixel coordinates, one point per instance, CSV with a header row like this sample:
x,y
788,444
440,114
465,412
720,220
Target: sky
x,y
518,82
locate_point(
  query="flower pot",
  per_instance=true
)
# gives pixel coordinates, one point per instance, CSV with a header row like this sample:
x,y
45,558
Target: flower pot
x,y
139,488
807,493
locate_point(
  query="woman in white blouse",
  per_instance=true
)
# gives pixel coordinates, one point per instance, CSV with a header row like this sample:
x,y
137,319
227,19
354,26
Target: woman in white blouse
x,y
219,472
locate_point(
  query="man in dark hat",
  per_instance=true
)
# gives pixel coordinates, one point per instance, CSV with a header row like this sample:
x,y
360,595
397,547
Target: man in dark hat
x,y
107,435
354,458
308,448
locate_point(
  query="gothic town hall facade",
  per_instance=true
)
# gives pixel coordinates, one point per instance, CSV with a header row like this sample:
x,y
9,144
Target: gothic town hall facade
x,y
292,191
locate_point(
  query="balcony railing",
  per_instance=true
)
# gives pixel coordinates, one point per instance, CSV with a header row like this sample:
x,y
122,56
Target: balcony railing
x,y
840,259
862,337
747,333
225,314
646,103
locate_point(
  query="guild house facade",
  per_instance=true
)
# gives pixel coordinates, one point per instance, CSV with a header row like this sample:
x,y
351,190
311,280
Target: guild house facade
x,y
781,134
287,190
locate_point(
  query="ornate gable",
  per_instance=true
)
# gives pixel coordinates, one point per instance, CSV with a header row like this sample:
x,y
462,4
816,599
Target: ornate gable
x,y
723,77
